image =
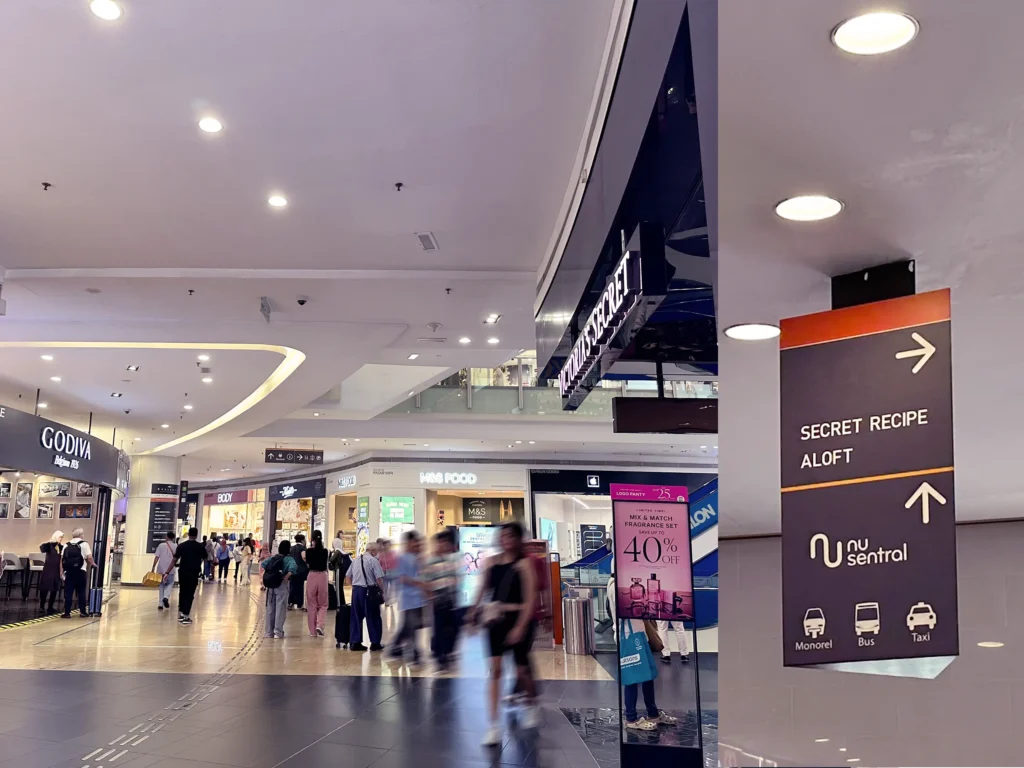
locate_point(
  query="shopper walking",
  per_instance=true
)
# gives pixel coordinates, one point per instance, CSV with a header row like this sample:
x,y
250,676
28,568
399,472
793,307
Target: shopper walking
x,y
223,553
163,564
76,559
296,596
684,648
441,574
339,565
245,563
411,597
211,557
191,559
367,598
508,616
387,558
49,580
316,585
278,571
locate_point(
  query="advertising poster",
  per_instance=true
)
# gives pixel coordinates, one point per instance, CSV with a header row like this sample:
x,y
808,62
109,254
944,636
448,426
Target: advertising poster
x,y
652,552
396,509
363,509
476,544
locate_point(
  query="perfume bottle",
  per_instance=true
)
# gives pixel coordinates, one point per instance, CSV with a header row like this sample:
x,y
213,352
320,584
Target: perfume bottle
x,y
653,595
636,596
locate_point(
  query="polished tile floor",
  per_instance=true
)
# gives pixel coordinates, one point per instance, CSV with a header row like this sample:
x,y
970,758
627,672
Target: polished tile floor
x,y
136,688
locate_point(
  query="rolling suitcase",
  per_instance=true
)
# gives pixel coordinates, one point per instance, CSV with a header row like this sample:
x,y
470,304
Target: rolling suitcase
x,y
332,598
342,626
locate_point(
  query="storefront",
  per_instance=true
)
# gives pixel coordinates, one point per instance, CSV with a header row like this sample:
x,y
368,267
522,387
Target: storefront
x,y
235,514
52,478
298,507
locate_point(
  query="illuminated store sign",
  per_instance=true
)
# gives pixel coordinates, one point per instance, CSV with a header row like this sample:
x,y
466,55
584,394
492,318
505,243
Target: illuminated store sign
x,y
32,443
447,478
348,481
604,322
61,442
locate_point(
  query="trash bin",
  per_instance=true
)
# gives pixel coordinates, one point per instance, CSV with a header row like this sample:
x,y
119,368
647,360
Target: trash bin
x,y
578,617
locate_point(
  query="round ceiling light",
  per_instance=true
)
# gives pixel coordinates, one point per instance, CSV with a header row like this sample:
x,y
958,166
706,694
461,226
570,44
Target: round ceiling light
x,y
874,33
210,125
44,405
990,644
752,332
55,378
465,340
207,380
164,426
107,10
808,208
47,358
204,358
493,340
277,201
188,407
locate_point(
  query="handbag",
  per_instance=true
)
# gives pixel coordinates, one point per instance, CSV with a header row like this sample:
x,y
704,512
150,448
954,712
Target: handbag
x,y
653,638
636,663
152,579
374,595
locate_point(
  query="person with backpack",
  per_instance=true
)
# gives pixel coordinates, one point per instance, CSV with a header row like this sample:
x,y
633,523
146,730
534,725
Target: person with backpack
x,y
76,560
190,558
277,573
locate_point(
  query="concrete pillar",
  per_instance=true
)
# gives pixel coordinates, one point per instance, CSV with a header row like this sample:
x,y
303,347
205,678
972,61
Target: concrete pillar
x,y
146,470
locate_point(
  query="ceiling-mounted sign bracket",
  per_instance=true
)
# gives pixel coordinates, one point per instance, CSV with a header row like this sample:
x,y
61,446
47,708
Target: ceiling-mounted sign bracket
x,y
879,283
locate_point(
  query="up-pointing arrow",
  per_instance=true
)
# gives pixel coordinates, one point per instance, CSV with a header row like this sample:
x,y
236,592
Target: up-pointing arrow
x,y
925,352
925,493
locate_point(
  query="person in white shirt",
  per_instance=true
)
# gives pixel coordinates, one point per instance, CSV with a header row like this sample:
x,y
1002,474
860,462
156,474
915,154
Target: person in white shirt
x,y
76,559
367,597
163,563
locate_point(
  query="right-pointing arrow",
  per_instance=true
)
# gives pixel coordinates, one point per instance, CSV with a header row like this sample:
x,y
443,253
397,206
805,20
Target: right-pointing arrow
x,y
925,352
925,493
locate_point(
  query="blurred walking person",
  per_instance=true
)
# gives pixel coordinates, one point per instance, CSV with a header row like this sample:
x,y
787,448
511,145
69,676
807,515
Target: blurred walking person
x,y
387,558
210,545
441,574
163,564
412,599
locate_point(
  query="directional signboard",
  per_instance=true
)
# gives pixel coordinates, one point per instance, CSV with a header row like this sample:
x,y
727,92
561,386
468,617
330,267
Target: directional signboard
x,y
292,456
868,522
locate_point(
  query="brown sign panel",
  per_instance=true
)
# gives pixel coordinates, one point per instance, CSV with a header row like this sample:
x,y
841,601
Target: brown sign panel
x,y
868,520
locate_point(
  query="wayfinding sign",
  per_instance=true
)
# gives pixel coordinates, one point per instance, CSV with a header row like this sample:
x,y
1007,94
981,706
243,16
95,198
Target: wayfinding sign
x,y
868,522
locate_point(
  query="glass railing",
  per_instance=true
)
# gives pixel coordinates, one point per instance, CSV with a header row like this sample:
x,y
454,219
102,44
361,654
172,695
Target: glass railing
x,y
494,393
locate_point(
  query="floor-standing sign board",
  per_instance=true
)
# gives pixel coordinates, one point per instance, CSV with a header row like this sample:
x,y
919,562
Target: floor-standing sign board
x,y
868,520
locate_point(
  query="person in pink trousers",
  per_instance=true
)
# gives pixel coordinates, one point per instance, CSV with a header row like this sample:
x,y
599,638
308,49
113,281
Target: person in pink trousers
x,y
316,584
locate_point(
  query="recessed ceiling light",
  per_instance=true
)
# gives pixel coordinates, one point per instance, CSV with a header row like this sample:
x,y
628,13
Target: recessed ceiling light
x,y
873,33
207,380
752,331
138,438
820,741
133,367
188,407
493,340
411,394
990,644
465,340
55,378
277,201
44,405
115,394
426,445
164,426
316,413
356,440
509,445
413,356
210,125
533,442
204,358
519,442
47,358
808,208
492,319
842,749
107,10
226,469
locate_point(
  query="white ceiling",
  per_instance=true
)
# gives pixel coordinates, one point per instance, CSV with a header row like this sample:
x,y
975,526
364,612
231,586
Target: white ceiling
x,y
924,146
478,107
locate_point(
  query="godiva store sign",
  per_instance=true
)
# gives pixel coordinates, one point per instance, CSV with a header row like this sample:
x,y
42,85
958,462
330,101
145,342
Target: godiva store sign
x,y
396,509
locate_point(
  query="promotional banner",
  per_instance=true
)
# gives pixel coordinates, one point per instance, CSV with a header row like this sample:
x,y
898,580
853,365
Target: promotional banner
x,y
396,509
476,544
868,520
363,509
653,579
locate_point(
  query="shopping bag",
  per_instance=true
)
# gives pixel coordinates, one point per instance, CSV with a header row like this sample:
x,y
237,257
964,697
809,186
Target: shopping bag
x,y
635,658
152,579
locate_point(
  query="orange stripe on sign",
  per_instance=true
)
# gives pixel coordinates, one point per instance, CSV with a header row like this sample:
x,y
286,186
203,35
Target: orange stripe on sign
x,y
872,479
878,317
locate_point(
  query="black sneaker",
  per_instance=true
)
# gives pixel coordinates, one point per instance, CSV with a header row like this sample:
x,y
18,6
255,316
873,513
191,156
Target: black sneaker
x,y
376,647
357,647
167,603
319,632
186,620
160,606
686,658
84,615
65,615
666,659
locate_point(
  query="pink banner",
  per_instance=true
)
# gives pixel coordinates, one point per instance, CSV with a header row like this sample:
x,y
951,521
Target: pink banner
x,y
653,577
629,492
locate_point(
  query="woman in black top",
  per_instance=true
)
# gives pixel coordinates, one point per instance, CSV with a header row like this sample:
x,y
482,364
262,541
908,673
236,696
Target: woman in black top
x,y
316,585
510,580
49,580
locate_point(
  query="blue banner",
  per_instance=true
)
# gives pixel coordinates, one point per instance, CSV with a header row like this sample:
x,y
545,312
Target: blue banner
x,y
704,509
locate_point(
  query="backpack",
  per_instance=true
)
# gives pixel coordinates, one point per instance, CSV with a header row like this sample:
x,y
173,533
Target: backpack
x,y
73,557
273,574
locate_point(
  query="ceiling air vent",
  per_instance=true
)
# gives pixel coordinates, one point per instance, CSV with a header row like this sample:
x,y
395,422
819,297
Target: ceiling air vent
x,y
427,241
433,340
